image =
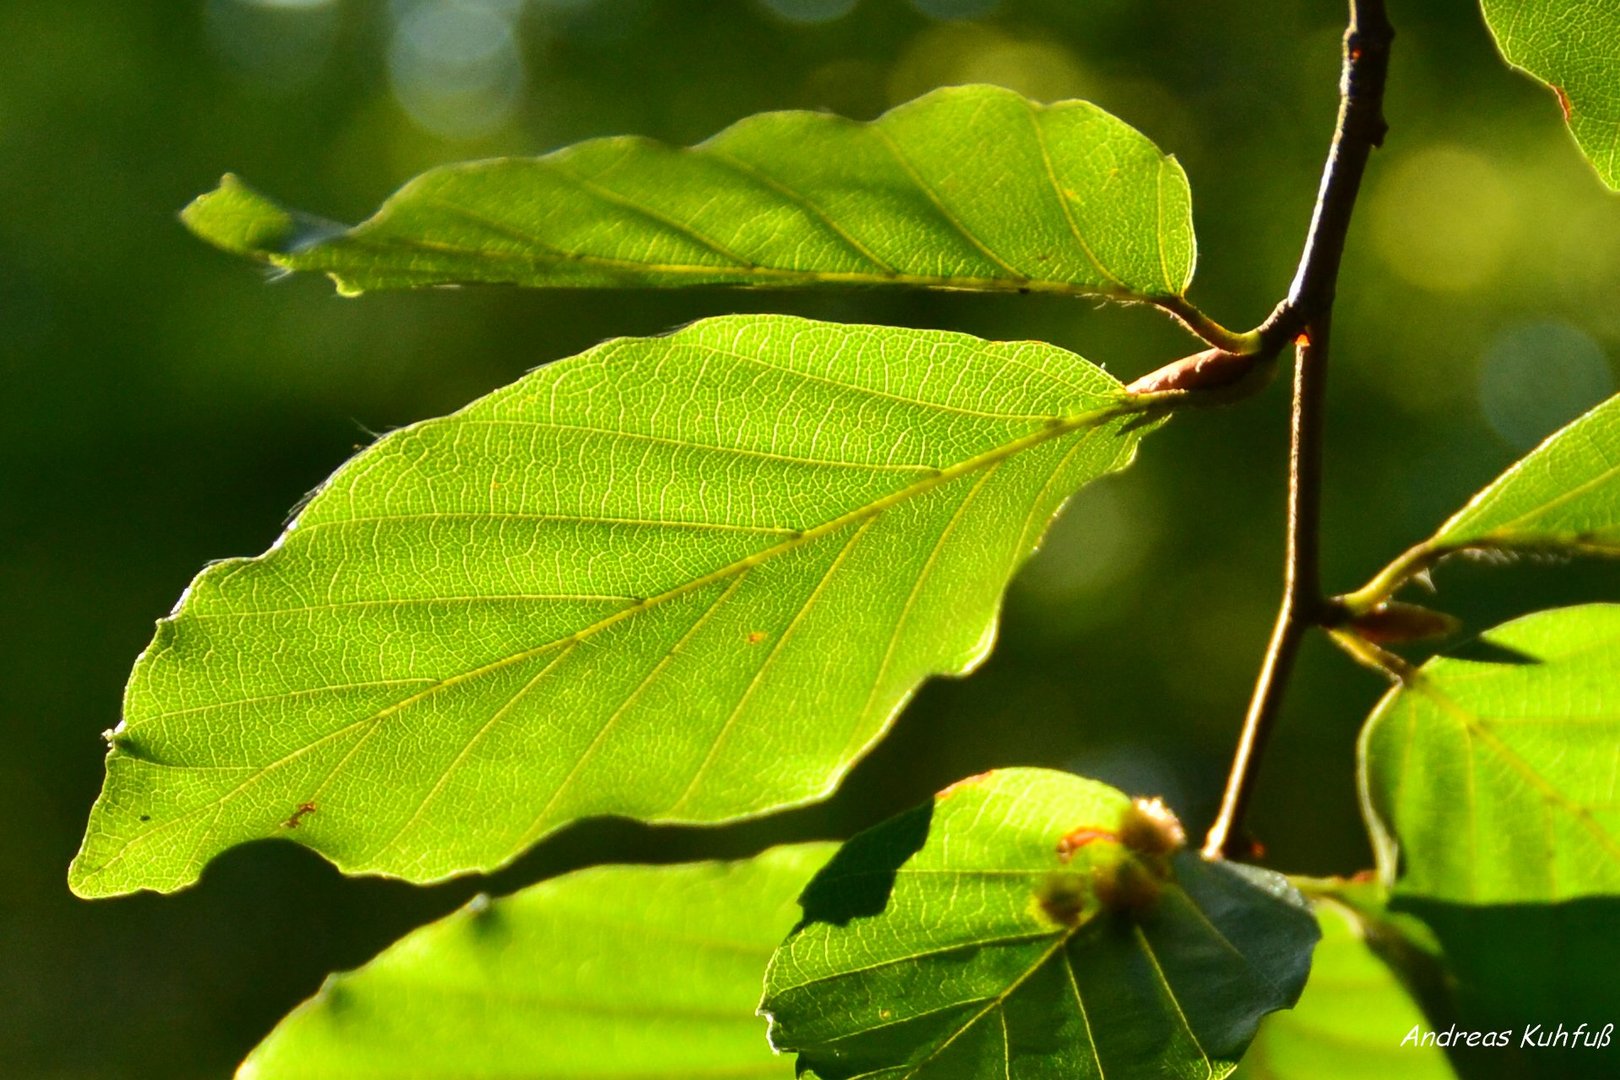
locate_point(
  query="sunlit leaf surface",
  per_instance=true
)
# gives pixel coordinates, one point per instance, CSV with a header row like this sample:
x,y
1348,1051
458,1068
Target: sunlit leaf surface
x,y
1027,923
1496,778
688,578
1574,47
619,971
1564,494
967,188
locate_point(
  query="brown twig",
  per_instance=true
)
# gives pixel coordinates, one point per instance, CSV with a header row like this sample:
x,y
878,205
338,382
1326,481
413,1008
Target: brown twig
x,y
1309,307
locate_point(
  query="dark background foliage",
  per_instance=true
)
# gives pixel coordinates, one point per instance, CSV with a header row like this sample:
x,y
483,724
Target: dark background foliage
x,y
163,405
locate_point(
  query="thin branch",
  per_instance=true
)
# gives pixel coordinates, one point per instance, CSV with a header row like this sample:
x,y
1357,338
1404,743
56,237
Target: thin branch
x,y
1309,306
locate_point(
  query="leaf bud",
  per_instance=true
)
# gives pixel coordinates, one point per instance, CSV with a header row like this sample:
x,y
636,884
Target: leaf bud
x,y
1223,375
1393,623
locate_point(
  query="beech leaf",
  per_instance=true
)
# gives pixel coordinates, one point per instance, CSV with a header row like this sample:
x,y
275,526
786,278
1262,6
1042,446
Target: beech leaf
x,y
644,971
1491,779
684,579
1029,923
970,187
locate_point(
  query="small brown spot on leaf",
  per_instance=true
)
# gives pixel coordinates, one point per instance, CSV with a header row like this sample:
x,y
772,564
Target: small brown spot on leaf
x,y
965,782
1073,841
304,810
1063,898
1563,102
755,637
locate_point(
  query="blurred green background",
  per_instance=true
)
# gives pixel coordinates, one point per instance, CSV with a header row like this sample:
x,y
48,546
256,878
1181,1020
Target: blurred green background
x,y
164,405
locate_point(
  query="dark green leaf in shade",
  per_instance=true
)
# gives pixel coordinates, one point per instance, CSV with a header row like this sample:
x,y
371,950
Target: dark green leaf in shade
x,y
618,971
1492,779
1028,923
1353,1021
969,187
1574,47
1531,971
689,578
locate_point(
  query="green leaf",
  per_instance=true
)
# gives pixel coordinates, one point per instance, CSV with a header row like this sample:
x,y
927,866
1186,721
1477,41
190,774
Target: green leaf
x,y
966,188
1028,923
1562,497
643,971
1564,494
1574,47
1491,779
1524,970
689,578
1352,1022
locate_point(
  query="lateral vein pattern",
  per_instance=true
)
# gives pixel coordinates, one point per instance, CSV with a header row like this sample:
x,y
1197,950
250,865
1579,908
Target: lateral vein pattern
x,y
688,578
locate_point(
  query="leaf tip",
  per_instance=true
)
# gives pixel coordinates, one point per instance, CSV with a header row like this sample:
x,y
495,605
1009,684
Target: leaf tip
x,y
236,218
84,881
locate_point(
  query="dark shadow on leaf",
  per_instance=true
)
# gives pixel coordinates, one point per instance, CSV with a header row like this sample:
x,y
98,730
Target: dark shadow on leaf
x,y
1485,651
859,880
1146,418
1515,966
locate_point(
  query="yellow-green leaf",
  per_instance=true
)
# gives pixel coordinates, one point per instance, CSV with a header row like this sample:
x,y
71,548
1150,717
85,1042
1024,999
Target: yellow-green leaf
x,y
645,971
1574,47
1491,779
689,578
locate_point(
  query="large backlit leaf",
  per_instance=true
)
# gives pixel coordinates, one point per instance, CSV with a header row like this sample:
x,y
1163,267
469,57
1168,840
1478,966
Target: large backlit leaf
x,y
1574,47
967,188
1354,1022
1492,780
688,578
1563,494
650,972
1005,931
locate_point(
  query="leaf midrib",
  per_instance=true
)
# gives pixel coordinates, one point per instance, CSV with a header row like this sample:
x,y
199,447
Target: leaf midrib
x,y
552,254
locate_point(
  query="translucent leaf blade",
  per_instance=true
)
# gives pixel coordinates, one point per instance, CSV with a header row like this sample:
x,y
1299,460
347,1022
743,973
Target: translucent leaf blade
x,y
1490,780
1004,931
968,188
689,578
643,971
1574,47
1563,494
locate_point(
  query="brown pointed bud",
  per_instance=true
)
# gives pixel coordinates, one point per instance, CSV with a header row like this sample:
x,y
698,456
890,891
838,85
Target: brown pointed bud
x,y
1207,371
1394,623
